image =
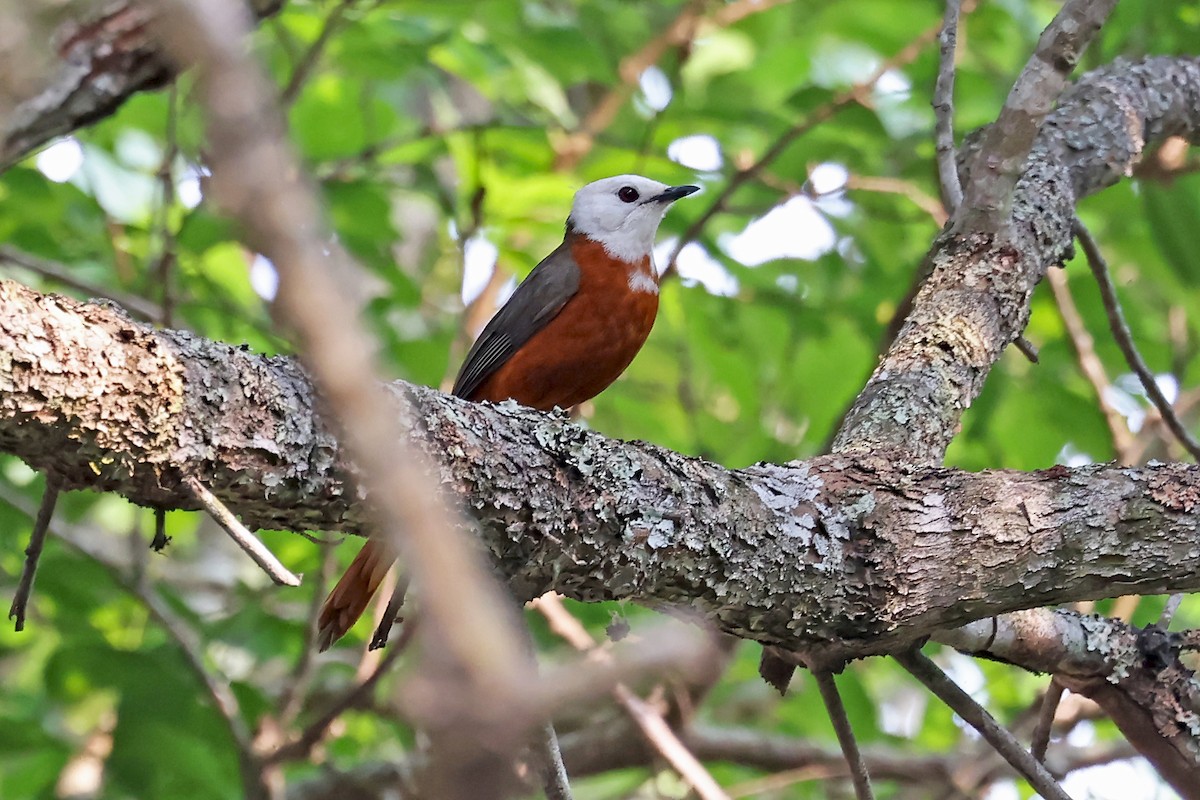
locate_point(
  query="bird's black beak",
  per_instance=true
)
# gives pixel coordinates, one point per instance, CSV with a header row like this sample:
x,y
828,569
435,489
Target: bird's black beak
x,y
673,193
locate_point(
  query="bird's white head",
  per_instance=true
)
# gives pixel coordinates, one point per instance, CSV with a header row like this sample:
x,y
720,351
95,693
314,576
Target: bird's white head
x,y
622,213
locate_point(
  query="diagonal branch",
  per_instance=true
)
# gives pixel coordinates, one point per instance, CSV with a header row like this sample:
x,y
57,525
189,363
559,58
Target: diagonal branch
x,y
988,193
104,59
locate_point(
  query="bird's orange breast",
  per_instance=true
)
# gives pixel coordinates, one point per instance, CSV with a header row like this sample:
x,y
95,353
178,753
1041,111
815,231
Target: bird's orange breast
x,y
588,344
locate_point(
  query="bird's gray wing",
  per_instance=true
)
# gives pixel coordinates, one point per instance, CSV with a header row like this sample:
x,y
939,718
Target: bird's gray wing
x,y
536,301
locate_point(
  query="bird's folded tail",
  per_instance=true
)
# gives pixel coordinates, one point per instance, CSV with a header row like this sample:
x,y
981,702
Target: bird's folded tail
x,y
349,599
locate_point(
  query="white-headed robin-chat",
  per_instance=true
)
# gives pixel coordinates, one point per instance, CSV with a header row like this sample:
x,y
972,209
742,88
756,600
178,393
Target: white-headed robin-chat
x,y
568,331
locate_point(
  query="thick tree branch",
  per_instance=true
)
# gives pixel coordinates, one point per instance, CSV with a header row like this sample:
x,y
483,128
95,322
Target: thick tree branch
x,y
856,555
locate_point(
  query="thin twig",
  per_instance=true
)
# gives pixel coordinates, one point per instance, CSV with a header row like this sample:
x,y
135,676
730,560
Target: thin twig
x,y
160,540
138,307
555,781
291,700
240,534
926,202
189,643
311,56
1089,363
391,613
943,108
845,733
859,93
1124,339
301,747
37,538
1027,349
978,718
681,30
648,719
1168,613
1046,713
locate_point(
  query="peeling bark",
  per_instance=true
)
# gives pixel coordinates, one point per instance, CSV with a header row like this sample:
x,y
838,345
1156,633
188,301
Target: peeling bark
x,y
836,556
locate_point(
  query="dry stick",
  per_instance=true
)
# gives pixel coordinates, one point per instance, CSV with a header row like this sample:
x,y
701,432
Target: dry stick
x,y
160,540
1049,707
653,726
37,538
943,108
886,185
678,33
988,193
855,94
240,534
474,650
1124,339
1168,613
138,307
845,733
556,783
310,58
291,701
77,538
301,747
391,613
1089,363
937,682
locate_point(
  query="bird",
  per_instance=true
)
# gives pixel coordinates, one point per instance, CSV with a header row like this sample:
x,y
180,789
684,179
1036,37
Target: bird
x,y
566,333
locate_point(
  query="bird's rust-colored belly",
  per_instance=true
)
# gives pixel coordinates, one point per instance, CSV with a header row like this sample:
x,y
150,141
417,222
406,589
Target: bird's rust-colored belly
x,y
586,346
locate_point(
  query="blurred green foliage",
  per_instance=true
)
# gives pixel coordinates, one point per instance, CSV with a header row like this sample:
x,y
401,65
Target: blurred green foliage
x,y
426,121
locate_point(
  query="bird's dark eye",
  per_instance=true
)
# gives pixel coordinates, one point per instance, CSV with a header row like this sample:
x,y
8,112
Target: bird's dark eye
x,y
627,194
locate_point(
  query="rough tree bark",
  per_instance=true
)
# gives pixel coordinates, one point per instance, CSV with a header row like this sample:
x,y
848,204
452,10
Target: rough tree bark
x,y
838,557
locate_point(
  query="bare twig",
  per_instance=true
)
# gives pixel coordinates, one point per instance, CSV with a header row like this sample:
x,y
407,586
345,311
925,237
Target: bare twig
x,y
473,653
648,719
33,552
1124,339
391,613
240,534
311,56
555,780
887,185
859,93
138,307
189,643
978,718
943,108
1089,363
1046,713
572,148
845,733
1027,348
160,540
988,193
301,746
1168,613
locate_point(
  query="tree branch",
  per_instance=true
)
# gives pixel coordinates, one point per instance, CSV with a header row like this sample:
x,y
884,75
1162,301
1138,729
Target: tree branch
x,y
856,555
104,59
976,299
